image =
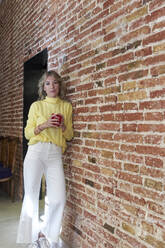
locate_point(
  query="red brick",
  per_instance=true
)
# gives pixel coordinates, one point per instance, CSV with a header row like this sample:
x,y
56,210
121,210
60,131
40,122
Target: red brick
x,y
110,163
157,93
85,56
159,25
153,139
130,198
154,150
110,81
89,216
137,23
91,126
93,109
110,126
91,167
107,136
133,116
155,196
111,98
155,207
102,74
108,3
86,71
144,52
151,127
129,127
157,116
154,37
108,117
107,236
95,100
113,17
155,15
127,148
130,178
154,162
78,186
109,36
133,75
154,173
85,87
158,70
111,107
107,145
108,190
147,83
152,105
131,167
130,106
81,110
116,6
139,32
89,143
155,4
119,59
131,138
154,60
132,6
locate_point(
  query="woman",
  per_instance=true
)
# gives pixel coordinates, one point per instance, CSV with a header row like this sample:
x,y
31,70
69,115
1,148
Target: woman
x,y
47,134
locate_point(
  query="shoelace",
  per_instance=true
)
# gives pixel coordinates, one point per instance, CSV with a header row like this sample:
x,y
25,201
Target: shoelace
x,y
36,244
43,243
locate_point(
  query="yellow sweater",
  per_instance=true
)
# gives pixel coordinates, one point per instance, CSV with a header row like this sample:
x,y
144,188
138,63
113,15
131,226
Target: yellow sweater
x,y
39,112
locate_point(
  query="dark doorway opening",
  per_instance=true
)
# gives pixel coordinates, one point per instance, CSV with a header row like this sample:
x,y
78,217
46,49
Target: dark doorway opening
x,y
33,70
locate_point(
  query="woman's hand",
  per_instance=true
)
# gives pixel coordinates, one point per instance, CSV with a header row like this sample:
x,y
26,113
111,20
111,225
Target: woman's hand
x,y
49,123
62,124
53,121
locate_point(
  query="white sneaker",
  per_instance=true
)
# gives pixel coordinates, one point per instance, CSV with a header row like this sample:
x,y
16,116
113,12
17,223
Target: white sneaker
x,y
43,243
34,245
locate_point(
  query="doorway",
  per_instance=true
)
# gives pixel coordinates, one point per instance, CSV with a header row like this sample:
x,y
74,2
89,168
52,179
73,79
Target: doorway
x,y
33,70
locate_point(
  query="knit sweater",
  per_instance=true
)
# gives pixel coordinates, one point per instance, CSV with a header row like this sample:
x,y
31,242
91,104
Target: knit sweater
x,y
39,112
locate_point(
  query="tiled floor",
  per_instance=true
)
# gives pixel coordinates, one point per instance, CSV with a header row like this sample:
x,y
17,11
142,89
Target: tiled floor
x,y
9,216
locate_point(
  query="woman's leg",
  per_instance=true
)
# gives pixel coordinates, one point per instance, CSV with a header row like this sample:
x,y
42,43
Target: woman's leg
x,y
29,225
56,194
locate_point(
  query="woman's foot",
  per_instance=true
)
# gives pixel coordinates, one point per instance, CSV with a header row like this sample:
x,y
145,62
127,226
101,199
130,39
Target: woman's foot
x,y
41,235
34,245
43,242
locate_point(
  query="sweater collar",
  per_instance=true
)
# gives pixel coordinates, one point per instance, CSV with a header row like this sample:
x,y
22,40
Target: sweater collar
x,y
54,100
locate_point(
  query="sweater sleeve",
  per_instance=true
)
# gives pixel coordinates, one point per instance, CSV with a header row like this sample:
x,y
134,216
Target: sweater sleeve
x,y
68,133
31,122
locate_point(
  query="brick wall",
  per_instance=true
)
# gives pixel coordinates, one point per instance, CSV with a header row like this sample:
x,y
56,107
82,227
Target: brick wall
x,y
111,54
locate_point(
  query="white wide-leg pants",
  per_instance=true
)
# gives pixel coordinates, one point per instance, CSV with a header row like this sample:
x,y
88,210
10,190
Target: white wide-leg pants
x,y
42,158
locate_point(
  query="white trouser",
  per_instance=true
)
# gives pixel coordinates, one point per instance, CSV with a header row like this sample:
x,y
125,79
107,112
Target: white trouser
x,y
42,158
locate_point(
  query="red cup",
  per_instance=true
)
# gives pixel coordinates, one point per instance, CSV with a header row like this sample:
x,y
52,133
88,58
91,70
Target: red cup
x,y
59,118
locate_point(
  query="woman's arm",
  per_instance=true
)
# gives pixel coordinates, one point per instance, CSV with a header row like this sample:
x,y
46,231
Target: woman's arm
x,y
67,128
31,122
49,123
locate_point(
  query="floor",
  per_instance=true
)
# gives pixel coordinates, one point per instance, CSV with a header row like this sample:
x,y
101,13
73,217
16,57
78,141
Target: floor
x,y
9,216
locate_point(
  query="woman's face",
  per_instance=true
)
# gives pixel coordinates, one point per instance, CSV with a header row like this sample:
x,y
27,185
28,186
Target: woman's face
x,y
51,87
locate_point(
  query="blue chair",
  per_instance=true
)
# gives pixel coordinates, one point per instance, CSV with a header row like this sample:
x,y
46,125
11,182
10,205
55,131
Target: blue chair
x,y
8,149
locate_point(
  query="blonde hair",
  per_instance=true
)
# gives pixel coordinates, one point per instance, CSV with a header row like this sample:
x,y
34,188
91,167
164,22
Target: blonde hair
x,y
42,93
